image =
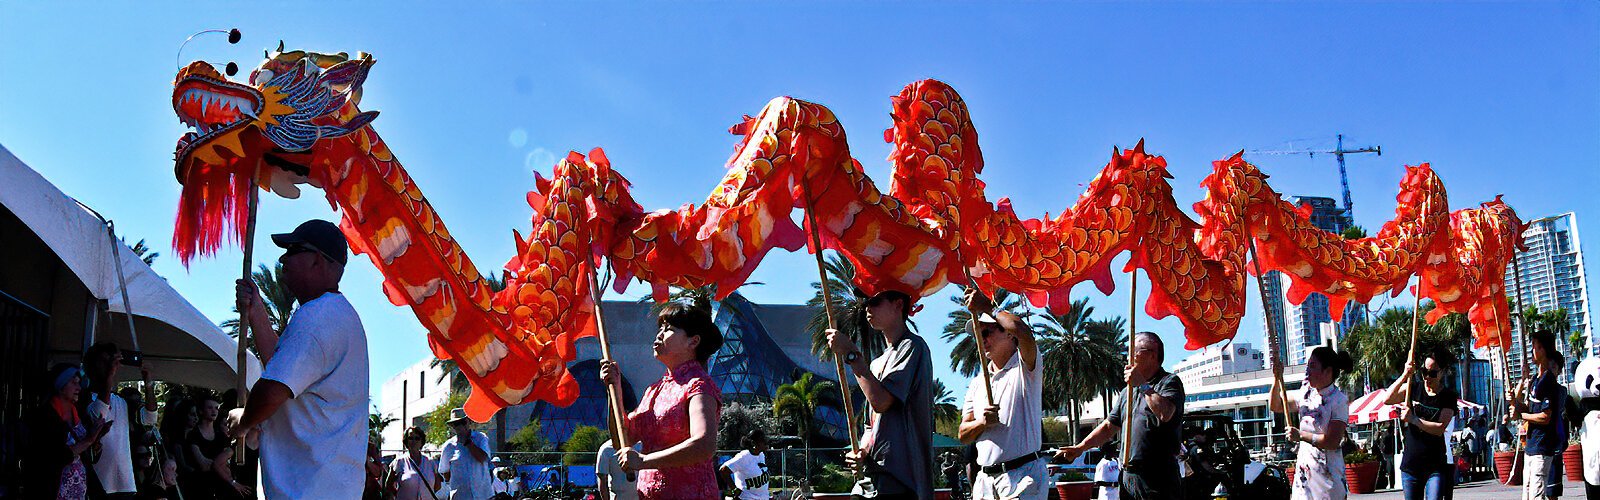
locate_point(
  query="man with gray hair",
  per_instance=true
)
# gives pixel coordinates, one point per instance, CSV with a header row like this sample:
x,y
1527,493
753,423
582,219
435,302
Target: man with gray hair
x,y
1151,471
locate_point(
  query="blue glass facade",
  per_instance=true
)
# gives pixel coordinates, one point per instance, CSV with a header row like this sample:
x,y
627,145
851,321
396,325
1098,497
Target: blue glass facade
x,y
556,423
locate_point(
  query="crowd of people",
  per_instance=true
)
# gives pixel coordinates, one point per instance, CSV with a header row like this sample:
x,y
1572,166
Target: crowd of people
x,y
305,421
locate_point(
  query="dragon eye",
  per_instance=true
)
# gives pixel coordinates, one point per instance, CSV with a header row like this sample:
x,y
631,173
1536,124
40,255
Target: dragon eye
x,y
261,77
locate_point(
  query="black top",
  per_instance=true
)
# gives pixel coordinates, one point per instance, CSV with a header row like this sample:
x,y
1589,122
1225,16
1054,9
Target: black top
x,y
1155,443
1425,453
1551,438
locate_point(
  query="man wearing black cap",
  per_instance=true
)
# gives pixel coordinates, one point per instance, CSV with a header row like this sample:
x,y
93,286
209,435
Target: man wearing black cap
x,y
310,402
896,458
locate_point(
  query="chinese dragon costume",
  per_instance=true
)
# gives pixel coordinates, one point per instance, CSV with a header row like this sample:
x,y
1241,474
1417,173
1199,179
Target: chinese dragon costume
x,y
297,121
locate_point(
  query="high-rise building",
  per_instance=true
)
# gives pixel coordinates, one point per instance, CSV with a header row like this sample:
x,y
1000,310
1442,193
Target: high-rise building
x,y
1552,278
1300,326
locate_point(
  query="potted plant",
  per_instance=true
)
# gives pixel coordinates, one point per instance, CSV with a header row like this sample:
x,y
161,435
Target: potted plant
x,y
1572,459
1074,485
1508,467
1360,471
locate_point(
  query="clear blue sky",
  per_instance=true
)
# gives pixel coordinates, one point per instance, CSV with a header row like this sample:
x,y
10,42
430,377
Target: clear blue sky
x,y
1500,97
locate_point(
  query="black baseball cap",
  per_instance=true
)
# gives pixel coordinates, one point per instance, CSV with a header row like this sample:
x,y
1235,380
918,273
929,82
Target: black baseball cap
x,y
319,234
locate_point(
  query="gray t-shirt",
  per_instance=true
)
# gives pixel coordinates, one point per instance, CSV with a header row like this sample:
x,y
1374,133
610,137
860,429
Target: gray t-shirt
x,y
1155,443
901,454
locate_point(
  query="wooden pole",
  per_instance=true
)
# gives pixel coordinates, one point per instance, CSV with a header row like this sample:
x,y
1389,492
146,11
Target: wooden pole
x,y
977,339
1416,312
240,380
1272,333
613,387
1127,407
827,306
1505,372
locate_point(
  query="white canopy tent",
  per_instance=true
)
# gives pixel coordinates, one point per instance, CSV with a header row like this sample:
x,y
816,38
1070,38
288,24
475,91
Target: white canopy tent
x,y
182,345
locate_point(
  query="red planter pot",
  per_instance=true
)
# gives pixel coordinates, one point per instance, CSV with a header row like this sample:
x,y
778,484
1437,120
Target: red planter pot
x,y
1076,490
1506,466
1290,473
1572,459
1361,477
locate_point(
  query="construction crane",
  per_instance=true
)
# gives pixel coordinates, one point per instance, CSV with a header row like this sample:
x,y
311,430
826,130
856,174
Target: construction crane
x,y
1338,152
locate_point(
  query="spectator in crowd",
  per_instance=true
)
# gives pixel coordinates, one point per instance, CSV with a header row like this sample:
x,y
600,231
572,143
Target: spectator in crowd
x,y
1324,414
896,451
311,402
114,469
1009,432
179,419
374,471
58,435
464,460
1107,473
614,484
747,470
676,420
164,486
412,475
210,449
1542,403
505,479
1426,472
1152,468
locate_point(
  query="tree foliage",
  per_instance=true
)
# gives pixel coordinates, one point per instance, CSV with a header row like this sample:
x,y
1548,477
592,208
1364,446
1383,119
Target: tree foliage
x,y
964,355
436,423
582,444
850,311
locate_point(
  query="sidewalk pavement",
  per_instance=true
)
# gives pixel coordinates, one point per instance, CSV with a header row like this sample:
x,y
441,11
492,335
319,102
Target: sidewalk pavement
x,y
1483,490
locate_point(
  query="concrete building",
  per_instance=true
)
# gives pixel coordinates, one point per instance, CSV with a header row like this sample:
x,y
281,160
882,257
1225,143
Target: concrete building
x,y
1552,278
1219,359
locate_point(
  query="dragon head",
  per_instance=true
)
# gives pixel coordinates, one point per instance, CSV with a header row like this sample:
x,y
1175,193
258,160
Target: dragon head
x,y
267,129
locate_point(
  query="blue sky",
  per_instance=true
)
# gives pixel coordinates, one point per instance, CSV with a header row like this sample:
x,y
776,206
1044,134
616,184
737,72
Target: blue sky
x,y
1500,97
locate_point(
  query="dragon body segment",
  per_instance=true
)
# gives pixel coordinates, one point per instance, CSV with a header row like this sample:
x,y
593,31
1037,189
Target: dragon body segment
x,y
299,122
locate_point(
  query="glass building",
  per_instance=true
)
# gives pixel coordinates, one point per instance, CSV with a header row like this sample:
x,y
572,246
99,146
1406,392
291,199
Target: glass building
x,y
1552,278
1300,326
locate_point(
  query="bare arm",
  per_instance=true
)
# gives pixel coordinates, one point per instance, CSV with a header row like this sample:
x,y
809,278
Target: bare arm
x,y
702,442
1397,389
1431,427
265,399
1276,402
972,427
1099,436
877,395
1330,440
470,442
249,300
1163,408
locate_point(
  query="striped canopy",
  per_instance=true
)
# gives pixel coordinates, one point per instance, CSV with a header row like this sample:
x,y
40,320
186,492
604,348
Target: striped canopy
x,y
1370,408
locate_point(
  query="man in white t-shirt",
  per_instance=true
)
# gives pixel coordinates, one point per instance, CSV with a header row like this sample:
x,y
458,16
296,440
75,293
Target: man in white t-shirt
x,y
311,401
747,470
1009,432
115,467
614,483
1107,473
465,460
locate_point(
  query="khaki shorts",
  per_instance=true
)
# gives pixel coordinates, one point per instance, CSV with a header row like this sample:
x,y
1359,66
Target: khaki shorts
x,y
1541,477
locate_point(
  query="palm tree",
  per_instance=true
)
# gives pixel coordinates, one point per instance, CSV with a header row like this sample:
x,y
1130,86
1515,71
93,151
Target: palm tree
x,y
964,356
1082,358
798,402
850,309
143,252
280,303
376,423
945,408
1380,347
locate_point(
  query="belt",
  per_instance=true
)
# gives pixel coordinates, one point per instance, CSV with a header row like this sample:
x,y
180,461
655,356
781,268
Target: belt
x,y
1013,464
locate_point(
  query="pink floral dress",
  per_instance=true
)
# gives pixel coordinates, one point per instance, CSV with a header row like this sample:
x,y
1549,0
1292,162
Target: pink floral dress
x,y
662,421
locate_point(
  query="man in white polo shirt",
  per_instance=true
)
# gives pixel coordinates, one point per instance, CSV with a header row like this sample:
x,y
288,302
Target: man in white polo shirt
x,y
1008,434
311,400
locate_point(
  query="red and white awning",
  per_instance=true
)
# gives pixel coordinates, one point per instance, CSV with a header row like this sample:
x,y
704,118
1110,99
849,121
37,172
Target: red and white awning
x,y
1370,408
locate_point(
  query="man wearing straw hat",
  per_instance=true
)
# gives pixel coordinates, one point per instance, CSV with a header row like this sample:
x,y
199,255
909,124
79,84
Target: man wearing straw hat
x,y
464,459
1007,427
311,400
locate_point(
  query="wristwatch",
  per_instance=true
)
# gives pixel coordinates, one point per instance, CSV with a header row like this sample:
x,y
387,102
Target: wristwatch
x,y
1146,389
852,357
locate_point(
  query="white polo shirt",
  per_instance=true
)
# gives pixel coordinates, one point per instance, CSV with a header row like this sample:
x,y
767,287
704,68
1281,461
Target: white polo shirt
x,y
115,468
1019,393
316,445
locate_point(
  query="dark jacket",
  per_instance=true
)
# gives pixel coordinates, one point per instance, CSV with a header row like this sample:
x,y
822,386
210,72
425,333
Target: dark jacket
x,y
45,452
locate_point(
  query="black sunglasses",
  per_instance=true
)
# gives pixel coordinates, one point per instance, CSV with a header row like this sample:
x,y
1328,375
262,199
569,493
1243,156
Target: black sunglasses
x,y
1431,373
300,249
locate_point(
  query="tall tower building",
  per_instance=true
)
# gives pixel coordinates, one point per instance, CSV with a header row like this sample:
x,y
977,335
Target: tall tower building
x,y
1300,326
1552,278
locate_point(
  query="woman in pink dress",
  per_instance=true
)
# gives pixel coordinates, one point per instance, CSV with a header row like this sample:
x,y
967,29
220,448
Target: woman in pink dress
x,y
676,420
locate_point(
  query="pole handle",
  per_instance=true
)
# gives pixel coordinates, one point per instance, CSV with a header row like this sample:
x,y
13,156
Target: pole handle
x,y
244,314
827,306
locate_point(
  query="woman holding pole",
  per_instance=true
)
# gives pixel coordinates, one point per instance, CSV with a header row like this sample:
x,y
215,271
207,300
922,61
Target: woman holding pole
x,y
1324,412
1425,473
677,418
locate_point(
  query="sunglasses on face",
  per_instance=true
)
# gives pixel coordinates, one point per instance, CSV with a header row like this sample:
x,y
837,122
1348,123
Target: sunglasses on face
x,y
875,301
297,250
1434,373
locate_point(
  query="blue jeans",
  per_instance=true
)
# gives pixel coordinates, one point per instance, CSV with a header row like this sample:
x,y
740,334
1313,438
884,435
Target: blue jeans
x,y
1425,487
